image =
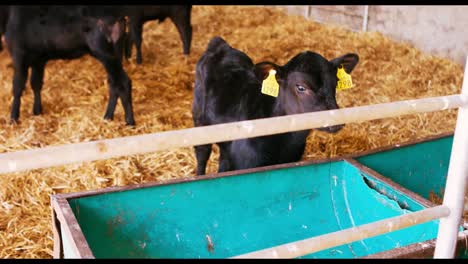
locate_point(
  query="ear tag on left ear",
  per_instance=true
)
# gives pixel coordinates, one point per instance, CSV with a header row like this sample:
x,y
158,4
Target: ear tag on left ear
x,y
270,86
344,79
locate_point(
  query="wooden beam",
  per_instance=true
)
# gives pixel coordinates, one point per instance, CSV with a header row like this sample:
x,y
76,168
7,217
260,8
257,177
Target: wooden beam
x,y
70,229
139,144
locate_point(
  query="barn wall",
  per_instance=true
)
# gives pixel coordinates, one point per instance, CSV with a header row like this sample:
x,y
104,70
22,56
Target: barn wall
x,y
439,30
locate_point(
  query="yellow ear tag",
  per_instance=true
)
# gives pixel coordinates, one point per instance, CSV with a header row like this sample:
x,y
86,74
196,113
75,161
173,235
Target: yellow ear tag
x,y
270,86
344,79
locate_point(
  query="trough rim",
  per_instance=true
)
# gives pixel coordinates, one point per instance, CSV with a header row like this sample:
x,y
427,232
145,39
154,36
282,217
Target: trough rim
x,y
62,214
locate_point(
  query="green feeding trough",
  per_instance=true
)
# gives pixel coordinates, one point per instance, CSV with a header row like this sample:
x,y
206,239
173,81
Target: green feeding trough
x,y
420,167
230,214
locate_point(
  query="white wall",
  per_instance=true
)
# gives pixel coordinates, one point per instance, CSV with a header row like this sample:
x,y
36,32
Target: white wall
x,y
439,30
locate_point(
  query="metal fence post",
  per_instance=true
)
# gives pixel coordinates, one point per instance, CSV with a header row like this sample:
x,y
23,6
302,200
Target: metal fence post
x,y
454,193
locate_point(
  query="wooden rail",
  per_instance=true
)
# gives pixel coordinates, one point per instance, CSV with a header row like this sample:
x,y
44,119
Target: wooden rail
x,y
124,146
318,243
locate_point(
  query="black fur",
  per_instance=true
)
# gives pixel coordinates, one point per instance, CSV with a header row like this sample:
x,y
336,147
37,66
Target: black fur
x,y
228,89
139,15
37,34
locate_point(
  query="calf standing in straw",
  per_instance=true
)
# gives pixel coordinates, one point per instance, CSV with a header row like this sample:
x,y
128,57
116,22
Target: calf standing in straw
x,y
37,34
180,15
230,88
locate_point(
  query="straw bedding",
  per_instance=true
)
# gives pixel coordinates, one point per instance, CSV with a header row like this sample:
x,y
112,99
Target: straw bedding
x,y
75,96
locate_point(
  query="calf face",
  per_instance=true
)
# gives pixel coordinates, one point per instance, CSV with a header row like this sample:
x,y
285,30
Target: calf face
x,y
308,82
37,34
180,15
228,89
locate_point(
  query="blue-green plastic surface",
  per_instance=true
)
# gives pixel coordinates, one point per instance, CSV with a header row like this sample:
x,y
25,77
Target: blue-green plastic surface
x,y
421,168
245,213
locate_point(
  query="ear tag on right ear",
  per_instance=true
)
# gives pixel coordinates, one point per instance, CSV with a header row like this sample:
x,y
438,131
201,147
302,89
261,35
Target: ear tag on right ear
x,y
270,86
344,79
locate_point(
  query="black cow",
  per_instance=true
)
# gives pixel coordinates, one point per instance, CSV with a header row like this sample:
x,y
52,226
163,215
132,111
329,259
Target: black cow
x,y
228,89
138,15
37,34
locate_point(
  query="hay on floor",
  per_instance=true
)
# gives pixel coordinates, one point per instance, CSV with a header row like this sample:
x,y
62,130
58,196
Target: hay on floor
x,y
75,96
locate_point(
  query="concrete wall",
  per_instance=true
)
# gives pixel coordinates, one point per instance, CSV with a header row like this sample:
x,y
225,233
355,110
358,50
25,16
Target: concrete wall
x,y
439,30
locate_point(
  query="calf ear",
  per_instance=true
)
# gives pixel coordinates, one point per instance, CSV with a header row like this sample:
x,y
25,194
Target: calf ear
x,y
117,30
263,68
112,32
349,61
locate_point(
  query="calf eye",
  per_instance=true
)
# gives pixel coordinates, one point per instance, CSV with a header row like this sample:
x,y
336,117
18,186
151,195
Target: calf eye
x,y
300,88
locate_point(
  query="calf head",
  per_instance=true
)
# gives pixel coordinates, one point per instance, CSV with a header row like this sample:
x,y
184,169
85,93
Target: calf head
x,y
107,33
308,83
112,30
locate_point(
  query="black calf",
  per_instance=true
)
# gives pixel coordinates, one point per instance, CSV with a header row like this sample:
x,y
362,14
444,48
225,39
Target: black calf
x,y
37,34
228,89
138,15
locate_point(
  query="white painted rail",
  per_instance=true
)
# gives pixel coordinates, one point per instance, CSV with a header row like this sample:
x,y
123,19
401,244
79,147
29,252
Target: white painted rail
x,y
124,146
456,182
318,243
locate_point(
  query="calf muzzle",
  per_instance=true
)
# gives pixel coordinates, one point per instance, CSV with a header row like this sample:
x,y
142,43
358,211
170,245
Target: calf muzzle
x,y
331,129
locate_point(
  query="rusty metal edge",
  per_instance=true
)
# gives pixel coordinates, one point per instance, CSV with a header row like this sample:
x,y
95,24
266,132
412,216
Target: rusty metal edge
x,y
195,178
71,228
246,171
421,250
416,250
60,201
425,202
58,246
399,145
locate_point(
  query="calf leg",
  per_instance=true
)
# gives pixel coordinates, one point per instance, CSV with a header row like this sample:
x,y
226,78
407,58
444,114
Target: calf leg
x,y
120,86
224,160
109,115
119,47
182,23
36,81
19,82
137,32
119,83
128,43
202,154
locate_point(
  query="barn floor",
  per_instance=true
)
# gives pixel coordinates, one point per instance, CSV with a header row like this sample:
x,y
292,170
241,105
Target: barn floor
x,y
75,96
